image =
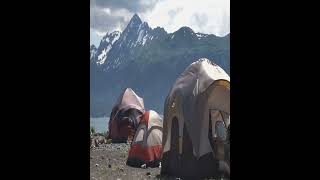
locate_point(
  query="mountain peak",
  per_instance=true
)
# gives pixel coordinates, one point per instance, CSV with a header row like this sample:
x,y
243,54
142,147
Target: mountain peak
x,y
135,20
185,29
135,16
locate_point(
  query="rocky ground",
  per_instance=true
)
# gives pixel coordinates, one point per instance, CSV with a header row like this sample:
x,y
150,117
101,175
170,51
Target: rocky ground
x,y
108,161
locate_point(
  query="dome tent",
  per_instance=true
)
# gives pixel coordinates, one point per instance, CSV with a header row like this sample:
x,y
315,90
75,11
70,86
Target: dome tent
x,y
196,116
146,146
125,116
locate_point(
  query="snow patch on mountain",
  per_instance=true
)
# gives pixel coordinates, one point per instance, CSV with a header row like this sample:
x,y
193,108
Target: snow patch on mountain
x,y
116,36
106,39
141,34
200,35
103,56
144,40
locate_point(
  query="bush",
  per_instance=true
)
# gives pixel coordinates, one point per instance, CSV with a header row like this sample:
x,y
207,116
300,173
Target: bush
x,y
109,141
92,130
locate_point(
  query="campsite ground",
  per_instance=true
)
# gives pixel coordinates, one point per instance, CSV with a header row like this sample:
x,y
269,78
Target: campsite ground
x,y
109,162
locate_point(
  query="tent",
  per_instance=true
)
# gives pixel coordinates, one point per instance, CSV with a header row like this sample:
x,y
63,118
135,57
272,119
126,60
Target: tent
x,y
196,118
125,116
146,146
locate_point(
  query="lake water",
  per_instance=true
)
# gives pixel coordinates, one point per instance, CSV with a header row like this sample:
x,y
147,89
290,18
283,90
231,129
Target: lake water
x,y
100,124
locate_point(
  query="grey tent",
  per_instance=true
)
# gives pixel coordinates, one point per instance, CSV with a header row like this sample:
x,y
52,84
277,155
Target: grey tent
x,y
196,118
125,116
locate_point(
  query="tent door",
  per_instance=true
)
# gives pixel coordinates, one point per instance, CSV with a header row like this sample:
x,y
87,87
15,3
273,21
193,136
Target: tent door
x,y
218,132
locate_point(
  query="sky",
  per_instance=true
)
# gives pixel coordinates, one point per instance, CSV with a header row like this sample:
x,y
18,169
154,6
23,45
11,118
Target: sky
x,y
205,16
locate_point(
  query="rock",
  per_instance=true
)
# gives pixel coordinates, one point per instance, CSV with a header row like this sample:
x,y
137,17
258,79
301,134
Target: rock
x,y
178,179
118,179
109,166
96,143
101,139
148,174
102,157
91,157
97,165
144,166
121,169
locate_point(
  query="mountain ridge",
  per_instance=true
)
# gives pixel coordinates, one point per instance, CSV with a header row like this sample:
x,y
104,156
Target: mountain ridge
x,y
148,60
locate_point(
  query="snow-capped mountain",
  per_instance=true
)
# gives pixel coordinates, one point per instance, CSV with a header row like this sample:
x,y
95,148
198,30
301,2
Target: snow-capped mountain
x,y
105,46
136,34
147,60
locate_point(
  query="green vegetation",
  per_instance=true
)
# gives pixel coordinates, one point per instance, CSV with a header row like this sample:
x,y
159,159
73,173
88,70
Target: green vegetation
x,y
92,130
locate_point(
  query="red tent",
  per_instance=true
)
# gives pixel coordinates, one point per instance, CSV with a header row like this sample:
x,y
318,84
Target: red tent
x,y
146,147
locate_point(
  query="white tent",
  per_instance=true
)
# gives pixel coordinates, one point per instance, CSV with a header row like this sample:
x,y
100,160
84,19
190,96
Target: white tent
x,y
200,92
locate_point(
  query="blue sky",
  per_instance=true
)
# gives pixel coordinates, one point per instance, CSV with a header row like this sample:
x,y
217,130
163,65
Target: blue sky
x,y
205,16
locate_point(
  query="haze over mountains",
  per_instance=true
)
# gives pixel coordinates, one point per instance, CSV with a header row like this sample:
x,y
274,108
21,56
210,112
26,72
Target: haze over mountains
x,y
148,61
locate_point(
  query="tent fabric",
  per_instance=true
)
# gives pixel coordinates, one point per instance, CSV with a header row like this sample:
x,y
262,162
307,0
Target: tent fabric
x,y
187,165
125,116
146,147
200,92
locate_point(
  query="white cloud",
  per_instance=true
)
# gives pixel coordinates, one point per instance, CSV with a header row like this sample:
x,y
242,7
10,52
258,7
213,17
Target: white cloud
x,y
127,15
193,14
107,11
101,34
206,16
